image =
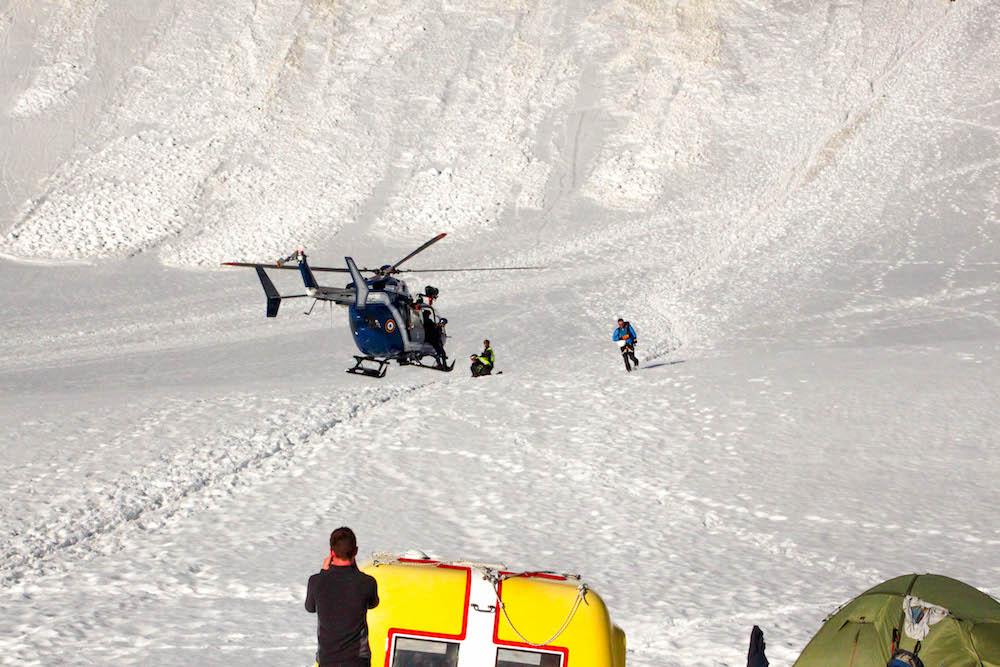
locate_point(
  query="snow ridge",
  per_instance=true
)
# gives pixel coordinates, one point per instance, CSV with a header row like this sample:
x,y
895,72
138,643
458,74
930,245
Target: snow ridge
x,y
66,45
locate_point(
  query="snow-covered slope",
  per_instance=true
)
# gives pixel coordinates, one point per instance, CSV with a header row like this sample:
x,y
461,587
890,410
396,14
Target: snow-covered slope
x,y
796,204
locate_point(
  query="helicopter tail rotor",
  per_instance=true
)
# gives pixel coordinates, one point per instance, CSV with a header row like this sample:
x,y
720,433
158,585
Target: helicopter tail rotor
x,y
299,255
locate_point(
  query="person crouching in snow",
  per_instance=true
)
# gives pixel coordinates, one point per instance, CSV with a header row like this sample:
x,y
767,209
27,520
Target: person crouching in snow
x,y
483,364
626,333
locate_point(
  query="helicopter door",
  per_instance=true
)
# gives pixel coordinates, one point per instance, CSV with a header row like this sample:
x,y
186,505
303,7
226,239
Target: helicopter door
x,y
417,334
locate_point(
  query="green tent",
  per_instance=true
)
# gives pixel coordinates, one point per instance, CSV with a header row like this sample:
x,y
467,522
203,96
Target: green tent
x,y
860,634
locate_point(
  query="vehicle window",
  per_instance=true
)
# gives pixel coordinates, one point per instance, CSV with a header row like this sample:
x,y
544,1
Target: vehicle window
x,y
507,657
411,652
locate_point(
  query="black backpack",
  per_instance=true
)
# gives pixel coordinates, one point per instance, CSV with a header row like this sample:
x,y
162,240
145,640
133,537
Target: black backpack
x,y
901,658
628,328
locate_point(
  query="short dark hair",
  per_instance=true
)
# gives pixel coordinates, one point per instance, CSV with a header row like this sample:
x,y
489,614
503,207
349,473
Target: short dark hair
x,y
486,342
343,543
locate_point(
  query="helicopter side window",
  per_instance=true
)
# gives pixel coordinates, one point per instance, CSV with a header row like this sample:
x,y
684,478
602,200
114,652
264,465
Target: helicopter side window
x,y
410,652
507,657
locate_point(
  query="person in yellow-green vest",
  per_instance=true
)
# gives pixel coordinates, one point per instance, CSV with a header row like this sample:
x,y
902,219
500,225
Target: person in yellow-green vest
x,y
482,364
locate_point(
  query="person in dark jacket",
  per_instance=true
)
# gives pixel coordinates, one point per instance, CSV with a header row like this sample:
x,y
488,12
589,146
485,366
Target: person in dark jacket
x,y
483,364
755,655
341,595
433,334
626,333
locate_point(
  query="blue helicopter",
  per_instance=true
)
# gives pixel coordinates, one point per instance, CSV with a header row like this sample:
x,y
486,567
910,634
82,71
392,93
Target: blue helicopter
x,y
388,322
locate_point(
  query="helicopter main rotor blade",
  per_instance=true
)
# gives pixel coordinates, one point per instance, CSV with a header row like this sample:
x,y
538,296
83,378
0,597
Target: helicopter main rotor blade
x,y
498,268
293,267
333,269
395,267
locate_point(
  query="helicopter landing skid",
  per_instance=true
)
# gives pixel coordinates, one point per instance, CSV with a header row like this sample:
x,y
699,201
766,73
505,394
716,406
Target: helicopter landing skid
x,y
445,368
360,369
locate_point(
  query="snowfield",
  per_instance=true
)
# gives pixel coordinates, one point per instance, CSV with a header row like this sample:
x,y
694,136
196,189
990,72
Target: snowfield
x,y
796,204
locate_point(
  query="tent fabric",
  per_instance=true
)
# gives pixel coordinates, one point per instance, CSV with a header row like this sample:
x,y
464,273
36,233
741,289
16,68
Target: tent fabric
x,y
860,634
986,642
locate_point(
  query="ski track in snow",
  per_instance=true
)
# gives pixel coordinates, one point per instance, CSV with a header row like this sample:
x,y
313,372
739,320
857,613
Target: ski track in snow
x,y
104,517
654,518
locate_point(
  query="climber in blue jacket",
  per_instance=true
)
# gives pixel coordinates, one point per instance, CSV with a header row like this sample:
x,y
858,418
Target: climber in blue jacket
x,y
625,332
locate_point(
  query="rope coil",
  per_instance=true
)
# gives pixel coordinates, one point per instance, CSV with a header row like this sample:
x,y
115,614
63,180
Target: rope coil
x,y
581,596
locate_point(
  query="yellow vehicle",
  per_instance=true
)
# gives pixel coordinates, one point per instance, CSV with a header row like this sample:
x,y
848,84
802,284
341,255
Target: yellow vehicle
x,y
462,614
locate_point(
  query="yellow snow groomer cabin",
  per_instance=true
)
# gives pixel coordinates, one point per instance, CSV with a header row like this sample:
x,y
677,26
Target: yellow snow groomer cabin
x,y
461,614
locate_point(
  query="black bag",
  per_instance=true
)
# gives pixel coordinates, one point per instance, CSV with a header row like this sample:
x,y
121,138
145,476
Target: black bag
x,y
901,658
755,656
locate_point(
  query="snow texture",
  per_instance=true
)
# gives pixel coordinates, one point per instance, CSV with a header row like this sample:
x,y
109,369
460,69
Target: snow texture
x,y
795,203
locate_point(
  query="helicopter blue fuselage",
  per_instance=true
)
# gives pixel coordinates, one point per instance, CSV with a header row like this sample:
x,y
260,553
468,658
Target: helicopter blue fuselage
x,y
376,330
385,324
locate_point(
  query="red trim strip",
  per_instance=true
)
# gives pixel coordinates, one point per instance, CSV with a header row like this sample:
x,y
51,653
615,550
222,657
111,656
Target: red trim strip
x,y
391,634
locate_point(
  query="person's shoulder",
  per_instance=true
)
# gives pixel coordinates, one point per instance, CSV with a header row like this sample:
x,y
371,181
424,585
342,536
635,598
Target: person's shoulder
x,y
368,578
